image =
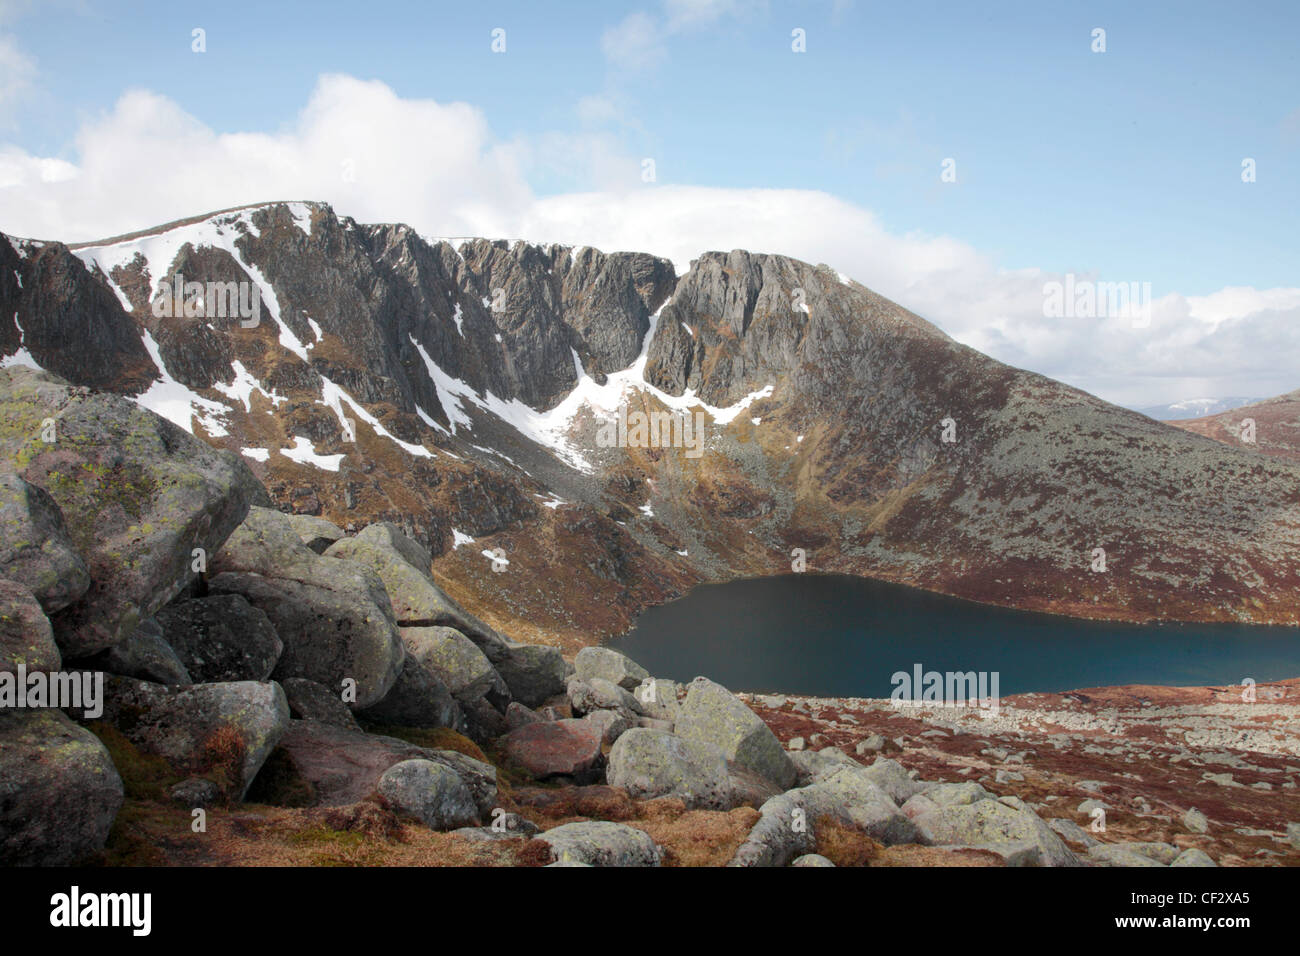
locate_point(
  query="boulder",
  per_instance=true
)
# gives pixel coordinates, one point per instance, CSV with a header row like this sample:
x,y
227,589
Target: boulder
x,y
652,763
1111,854
517,715
195,792
782,833
333,617
612,723
309,700
599,843
315,533
891,778
534,672
949,794
341,766
811,859
1196,821
232,725
429,791
711,714
26,637
35,548
418,698
221,638
1193,857
811,765
455,659
144,655
59,790
609,665
991,821
1162,853
568,748
599,694
1069,830
483,722
144,502
658,699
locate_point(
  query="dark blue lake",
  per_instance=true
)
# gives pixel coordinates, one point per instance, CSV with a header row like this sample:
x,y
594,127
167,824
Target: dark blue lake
x,y
840,636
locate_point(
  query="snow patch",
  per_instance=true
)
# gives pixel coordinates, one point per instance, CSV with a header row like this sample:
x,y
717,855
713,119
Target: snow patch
x,y
304,453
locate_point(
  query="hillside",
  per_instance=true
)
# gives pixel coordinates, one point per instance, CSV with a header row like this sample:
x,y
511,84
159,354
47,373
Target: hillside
x,y
459,389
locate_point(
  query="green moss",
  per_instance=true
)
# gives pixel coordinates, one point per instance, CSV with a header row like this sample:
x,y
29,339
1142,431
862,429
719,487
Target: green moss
x,y
144,776
434,738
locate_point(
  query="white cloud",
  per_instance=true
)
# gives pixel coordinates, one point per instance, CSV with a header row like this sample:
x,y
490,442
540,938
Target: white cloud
x,y
437,167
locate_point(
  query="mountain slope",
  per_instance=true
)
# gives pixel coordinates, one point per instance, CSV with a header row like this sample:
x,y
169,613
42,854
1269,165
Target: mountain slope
x,y
464,391
1276,420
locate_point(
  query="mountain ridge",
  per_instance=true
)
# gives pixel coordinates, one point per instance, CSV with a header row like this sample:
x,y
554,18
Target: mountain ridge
x,y
826,407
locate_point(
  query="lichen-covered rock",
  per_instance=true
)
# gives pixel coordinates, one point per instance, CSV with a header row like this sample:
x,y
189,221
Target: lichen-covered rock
x,y
309,700
316,533
454,658
341,766
333,617
221,637
59,790
890,776
405,568
610,665
145,655
991,821
1111,854
711,714
612,723
35,549
534,672
1193,856
600,843
651,763
598,693
231,726
430,792
26,637
568,748
143,501
658,699
811,859
418,698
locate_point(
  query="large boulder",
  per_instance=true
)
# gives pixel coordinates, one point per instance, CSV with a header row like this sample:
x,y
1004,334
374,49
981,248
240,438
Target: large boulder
x,y
309,700
341,766
597,693
59,790
567,748
333,617
26,637
429,791
456,660
994,822
231,726
316,533
652,763
711,714
145,655
599,843
144,501
534,672
221,638
405,567
35,549
610,665
418,698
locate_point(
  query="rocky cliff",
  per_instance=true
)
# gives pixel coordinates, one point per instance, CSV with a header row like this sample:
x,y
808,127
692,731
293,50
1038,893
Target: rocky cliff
x,y
462,390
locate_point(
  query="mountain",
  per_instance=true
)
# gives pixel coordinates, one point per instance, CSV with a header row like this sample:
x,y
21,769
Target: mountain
x,y
467,391
1276,426
1193,408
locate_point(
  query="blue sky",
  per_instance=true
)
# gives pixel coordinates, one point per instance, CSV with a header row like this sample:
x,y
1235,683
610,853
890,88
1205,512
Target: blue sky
x,y
1124,164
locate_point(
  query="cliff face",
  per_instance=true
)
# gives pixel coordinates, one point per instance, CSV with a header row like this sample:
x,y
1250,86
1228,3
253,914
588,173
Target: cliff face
x,y
464,391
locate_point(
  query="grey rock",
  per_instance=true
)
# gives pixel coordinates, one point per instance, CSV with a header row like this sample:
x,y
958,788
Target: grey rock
x,y
652,763
534,672
611,666
146,655
35,548
612,723
332,616
1069,830
713,715
1196,821
455,659
517,715
1193,857
811,859
1110,854
890,776
430,792
194,792
418,698
221,638
987,822
309,700
315,533
658,699
59,790
599,843
26,637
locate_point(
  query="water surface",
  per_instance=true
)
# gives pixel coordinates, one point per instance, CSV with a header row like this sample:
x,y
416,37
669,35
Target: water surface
x,y
841,636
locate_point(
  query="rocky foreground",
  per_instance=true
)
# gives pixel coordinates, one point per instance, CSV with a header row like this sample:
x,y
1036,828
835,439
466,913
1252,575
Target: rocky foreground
x,y
277,691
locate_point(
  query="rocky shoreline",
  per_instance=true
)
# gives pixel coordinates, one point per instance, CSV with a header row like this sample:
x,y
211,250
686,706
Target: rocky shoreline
x,y
274,690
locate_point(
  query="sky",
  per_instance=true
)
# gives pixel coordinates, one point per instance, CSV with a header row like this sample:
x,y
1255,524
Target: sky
x,y
956,157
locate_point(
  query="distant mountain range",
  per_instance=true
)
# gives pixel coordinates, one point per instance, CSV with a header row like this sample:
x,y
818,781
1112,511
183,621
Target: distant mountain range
x,y
1194,408
488,397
